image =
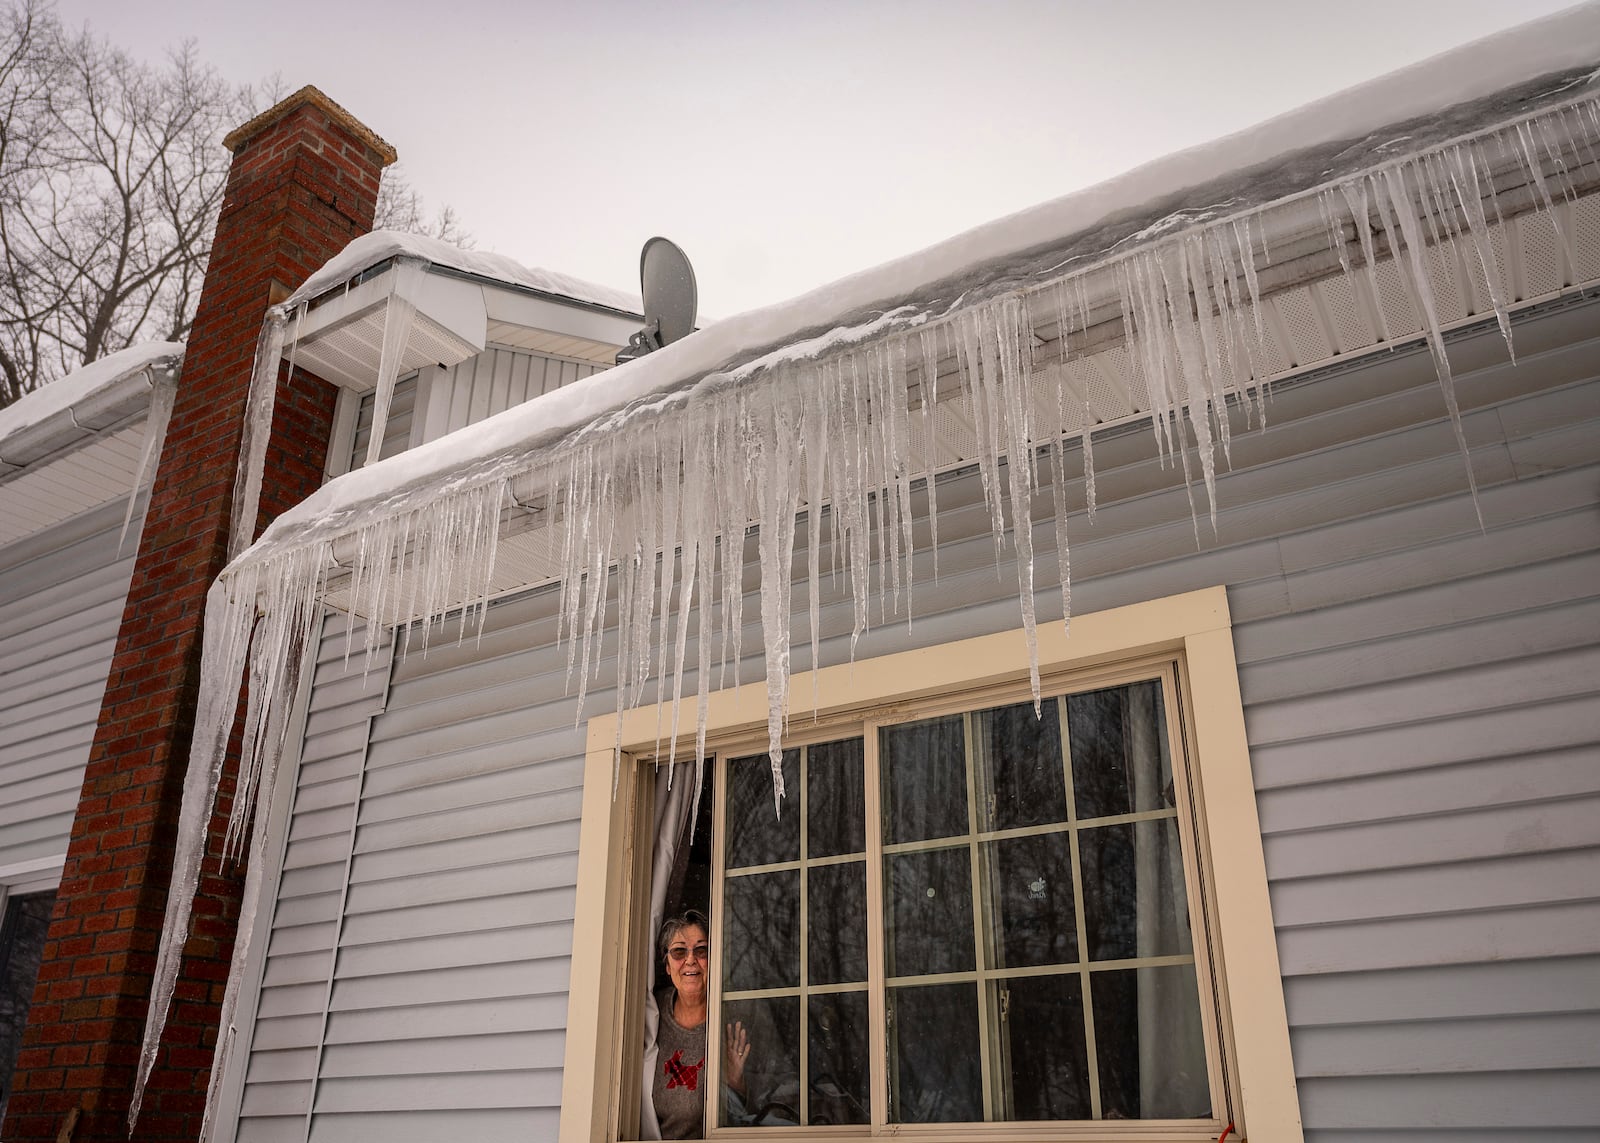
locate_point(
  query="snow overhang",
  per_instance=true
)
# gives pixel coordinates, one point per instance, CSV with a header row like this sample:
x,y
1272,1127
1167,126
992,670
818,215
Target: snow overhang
x,y
1314,278
76,443
463,301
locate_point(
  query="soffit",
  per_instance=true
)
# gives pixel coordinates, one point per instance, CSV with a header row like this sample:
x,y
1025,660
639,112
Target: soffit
x,y
99,470
340,337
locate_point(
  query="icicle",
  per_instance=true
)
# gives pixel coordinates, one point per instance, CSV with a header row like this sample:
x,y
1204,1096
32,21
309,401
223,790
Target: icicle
x,y
1465,180
257,430
399,313
775,491
163,393
226,641
1399,198
928,386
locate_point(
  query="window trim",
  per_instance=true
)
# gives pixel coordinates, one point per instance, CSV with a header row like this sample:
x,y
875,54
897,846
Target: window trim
x,y
1195,627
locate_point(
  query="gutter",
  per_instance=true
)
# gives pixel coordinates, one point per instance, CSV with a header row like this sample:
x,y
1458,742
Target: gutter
x,y
108,410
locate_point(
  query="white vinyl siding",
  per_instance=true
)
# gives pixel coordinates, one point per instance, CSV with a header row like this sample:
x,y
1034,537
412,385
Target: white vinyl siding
x,y
302,927
61,604
495,380
1423,705
397,427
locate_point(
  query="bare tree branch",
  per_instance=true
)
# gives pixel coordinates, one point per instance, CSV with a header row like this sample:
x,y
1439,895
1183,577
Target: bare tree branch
x,y
111,176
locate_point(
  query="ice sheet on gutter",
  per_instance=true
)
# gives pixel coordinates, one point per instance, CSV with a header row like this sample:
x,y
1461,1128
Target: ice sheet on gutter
x,y
1328,137
84,384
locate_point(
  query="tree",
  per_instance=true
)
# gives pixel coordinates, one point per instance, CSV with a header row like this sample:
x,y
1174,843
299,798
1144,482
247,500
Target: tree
x,y
111,175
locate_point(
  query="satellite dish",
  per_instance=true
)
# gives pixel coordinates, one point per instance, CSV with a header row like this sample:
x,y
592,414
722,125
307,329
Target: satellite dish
x,y
667,282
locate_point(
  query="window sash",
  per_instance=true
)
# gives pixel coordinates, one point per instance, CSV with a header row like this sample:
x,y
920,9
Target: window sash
x,y
969,703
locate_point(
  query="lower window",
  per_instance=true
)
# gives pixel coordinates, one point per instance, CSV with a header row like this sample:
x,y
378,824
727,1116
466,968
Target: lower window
x,y
971,919
972,913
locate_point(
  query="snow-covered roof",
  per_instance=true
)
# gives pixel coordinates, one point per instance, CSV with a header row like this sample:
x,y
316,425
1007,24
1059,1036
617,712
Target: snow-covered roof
x,y
83,387
381,245
85,440
1432,100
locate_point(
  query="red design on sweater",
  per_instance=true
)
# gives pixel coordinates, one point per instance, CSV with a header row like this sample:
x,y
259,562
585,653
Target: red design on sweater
x,y
680,1074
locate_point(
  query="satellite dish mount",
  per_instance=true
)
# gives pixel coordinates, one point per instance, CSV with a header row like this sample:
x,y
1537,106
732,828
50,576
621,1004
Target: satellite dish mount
x,y
670,298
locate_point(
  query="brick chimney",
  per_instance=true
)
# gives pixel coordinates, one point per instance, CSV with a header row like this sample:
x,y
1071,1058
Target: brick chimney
x,y
303,183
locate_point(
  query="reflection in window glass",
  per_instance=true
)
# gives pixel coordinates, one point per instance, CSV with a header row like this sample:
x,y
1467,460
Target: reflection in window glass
x,y
925,780
1078,999
22,937
1031,897
839,1070
794,906
928,911
935,1071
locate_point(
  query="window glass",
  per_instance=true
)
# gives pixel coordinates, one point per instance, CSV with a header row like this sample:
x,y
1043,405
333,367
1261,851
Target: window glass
x,y
22,940
794,906
1036,954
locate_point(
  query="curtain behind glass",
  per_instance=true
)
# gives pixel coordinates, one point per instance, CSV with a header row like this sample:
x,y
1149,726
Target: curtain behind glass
x,y
674,806
1172,1083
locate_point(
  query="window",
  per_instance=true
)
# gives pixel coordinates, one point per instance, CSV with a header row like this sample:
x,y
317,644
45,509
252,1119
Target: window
x,y
22,940
966,913
1029,944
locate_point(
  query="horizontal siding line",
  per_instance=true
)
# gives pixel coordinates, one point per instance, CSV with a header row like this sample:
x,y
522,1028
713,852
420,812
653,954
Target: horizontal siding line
x,y
1577,1009
528,725
392,776
1468,1046
442,1005
1590,688
1479,747
1581,633
557,847
1491,947
1504,787
377,974
519,859
373,807
1564,824
1341,875
561,876
1426,993
1556,580
341,1007
1402,892
422,817
1312,830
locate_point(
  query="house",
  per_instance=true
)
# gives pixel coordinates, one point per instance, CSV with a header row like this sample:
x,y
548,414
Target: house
x,y
71,458
1289,834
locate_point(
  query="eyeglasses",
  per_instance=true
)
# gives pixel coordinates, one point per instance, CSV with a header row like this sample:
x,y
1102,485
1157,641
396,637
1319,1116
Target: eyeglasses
x,y
680,953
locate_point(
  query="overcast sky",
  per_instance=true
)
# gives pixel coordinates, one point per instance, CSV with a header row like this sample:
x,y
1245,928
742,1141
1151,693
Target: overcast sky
x,y
786,144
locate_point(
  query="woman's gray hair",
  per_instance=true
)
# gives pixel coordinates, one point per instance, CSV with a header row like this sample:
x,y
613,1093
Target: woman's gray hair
x,y
674,925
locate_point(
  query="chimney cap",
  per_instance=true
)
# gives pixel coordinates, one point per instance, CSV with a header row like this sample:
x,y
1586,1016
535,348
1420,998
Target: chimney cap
x,y
310,95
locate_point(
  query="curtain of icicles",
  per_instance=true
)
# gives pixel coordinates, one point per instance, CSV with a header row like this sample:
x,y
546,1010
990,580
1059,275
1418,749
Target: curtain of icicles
x,y
847,421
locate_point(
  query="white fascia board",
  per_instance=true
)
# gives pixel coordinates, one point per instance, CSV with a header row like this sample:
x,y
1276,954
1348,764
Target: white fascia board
x,y
533,312
450,326
457,307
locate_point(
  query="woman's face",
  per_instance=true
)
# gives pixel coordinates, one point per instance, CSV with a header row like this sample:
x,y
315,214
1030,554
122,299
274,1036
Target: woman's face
x,y
687,954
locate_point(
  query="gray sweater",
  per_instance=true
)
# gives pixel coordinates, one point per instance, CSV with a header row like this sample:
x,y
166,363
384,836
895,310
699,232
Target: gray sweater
x,y
678,1088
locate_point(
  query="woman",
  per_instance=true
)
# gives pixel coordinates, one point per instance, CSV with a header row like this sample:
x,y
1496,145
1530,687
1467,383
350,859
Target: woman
x,y
681,1039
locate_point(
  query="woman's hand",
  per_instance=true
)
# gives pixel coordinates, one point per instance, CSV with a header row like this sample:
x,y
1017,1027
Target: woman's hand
x,y
736,1050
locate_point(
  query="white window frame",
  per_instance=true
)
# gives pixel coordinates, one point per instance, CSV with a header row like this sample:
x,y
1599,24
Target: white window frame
x,y
1194,629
